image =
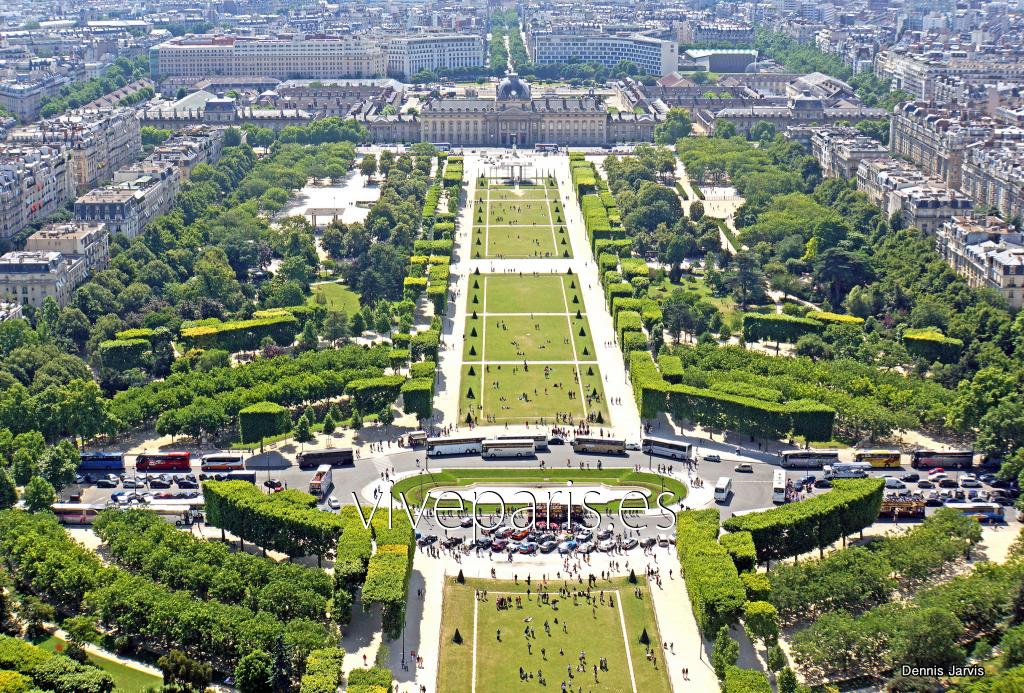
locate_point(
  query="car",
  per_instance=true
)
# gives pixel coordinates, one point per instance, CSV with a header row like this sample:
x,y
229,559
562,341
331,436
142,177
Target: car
x,y
584,535
528,547
105,482
541,525
712,458
988,478
970,482
555,440
164,495
451,542
545,537
520,534
466,522
483,543
630,544
499,545
1000,498
187,483
924,483
1001,483
605,534
82,479
932,500
159,483
806,480
567,546
586,547
333,503
133,483
427,540
606,545
503,532
548,546
274,484
635,447
823,483
892,482
744,467
948,483
665,540
912,477
648,542
936,476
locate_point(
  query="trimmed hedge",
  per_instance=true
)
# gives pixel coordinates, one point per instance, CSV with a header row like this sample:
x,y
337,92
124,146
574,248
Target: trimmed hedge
x,y
373,394
716,592
758,586
47,671
740,546
262,420
649,388
423,369
734,387
633,341
355,546
425,344
815,523
812,420
418,397
671,368
387,581
626,321
439,247
122,354
240,335
778,327
398,357
634,267
739,680
834,318
414,286
136,333
932,345
324,673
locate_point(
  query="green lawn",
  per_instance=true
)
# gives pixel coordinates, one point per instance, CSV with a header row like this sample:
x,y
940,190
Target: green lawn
x,y
596,630
731,314
416,487
501,334
126,679
339,297
522,222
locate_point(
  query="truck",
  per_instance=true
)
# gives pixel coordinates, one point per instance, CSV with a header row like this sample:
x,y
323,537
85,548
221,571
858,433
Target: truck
x,y
320,484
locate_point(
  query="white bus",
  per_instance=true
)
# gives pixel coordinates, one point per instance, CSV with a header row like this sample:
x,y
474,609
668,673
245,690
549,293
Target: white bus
x,y
540,440
723,487
779,486
222,462
807,459
675,449
507,447
455,445
599,446
847,470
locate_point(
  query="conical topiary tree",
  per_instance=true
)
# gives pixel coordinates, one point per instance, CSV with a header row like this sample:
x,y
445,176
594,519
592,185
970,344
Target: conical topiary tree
x,y
469,394
457,638
645,639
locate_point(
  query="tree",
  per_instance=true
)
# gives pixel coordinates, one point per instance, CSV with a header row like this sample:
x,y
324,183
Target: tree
x,y
336,326
368,165
696,210
1012,646
59,464
726,652
39,494
929,637
761,620
787,681
302,432
747,281
8,492
813,347
676,126
232,137
254,673
178,669
329,424
357,420
725,129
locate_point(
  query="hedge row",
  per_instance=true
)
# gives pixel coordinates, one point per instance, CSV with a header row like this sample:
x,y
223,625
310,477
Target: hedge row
x,y
324,673
739,680
123,354
932,345
649,388
373,394
29,668
716,592
834,318
778,327
418,397
671,368
626,321
815,523
240,335
387,583
263,420
740,546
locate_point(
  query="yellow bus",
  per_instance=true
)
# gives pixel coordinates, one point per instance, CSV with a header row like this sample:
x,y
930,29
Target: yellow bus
x,y
879,459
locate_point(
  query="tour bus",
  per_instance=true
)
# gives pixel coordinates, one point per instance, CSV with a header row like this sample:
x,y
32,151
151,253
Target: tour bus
x,y
417,438
75,513
112,462
540,440
221,462
723,487
320,484
947,459
442,146
807,459
779,486
163,462
847,470
455,445
336,457
880,459
993,512
599,446
242,475
507,447
675,449
546,147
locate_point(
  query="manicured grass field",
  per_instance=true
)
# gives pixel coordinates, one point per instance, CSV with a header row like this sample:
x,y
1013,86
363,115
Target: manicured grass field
x,y
519,222
126,679
600,630
528,346
339,297
416,487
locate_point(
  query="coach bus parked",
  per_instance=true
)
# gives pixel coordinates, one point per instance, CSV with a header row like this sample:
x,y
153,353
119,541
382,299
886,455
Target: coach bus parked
x,y
336,457
510,447
847,470
75,513
455,445
599,446
112,462
947,459
778,486
163,462
540,440
992,512
879,459
807,459
221,462
675,449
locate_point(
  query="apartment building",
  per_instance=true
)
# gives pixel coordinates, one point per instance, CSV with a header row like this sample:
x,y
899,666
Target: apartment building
x,y
936,138
189,147
653,56
918,72
35,181
30,277
284,56
100,141
408,55
987,252
717,31
138,195
23,97
993,175
839,150
901,188
76,239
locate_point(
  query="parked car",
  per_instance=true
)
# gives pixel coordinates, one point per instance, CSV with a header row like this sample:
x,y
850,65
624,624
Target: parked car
x,y
629,544
521,534
924,483
333,503
159,483
528,547
744,467
932,500
187,483
892,482
635,447
948,483
970,482
567,546
822,483
586,547
499,545
584,535
548,546
483,543
107,482
911,477
133,483
427,540
555,440
805,480
712,458
466,522
605,534
503,532
273,484
648,542
606,545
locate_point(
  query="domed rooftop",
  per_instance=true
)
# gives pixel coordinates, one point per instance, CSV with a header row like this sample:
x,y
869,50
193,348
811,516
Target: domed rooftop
x,y
512,88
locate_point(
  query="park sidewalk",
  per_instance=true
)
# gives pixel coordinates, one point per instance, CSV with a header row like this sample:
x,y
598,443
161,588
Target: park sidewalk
x,y
678,627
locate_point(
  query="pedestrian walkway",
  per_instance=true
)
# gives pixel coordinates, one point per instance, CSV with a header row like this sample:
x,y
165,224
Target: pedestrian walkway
x,y
678,626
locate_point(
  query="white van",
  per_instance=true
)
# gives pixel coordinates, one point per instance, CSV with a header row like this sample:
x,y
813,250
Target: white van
x,y
663,540
722,489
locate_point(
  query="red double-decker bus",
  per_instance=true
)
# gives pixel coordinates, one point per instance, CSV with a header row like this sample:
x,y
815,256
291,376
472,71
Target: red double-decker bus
x,y
164,462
